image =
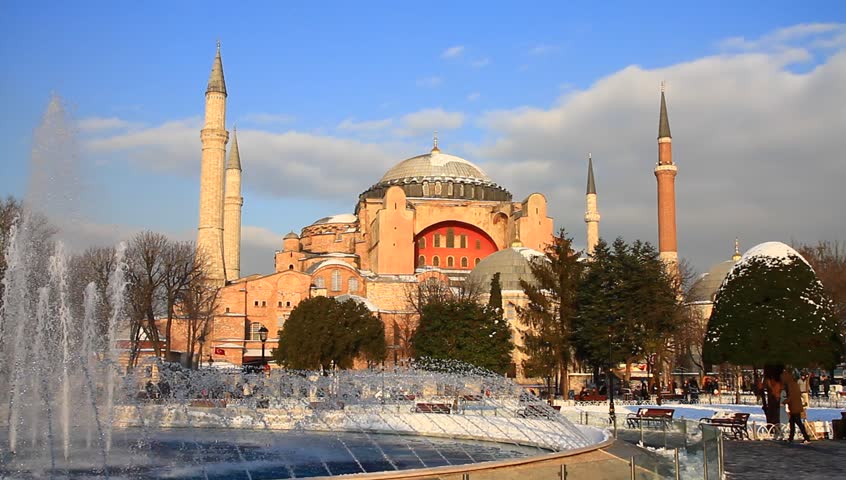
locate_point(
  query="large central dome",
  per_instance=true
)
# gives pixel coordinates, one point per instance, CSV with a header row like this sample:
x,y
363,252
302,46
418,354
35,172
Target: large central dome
x,y
439,175
435,165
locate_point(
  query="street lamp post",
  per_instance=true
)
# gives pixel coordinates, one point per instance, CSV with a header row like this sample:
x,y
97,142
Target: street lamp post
x,y
612,416
263,337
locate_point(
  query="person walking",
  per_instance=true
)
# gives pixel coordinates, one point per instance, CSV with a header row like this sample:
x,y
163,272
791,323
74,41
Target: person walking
x,y
794,405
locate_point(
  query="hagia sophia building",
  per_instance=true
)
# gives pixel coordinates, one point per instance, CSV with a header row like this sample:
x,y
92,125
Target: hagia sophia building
x,y
433,215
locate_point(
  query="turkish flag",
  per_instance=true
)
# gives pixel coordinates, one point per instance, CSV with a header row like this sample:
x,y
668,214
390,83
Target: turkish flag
x,y
219,351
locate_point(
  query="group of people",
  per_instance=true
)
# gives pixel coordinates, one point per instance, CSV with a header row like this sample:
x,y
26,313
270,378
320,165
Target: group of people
x,y
787,390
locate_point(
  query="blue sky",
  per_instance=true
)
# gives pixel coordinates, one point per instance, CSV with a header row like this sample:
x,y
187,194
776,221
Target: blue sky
x,y
327,97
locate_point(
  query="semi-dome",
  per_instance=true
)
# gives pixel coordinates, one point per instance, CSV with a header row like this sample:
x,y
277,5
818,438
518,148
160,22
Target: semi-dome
x,y
439,175
513,265
340,218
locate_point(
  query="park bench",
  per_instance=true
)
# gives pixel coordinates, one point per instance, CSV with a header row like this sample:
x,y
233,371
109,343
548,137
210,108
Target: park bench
x,y
591,397
733,425
432,408
650,417
538,411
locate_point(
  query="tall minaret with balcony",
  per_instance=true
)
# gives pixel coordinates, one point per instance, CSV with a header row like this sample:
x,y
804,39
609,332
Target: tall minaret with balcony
x,y
232,212
213,137
665,173
591,213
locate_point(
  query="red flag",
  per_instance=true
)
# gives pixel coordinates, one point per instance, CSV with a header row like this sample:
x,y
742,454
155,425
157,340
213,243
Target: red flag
x,y
219,351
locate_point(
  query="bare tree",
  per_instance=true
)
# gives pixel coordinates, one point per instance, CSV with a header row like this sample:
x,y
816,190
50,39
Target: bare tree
x,y
828,260
94,265
179,271
198,302
145,276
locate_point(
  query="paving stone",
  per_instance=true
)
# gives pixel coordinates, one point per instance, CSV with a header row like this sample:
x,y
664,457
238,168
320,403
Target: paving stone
x,y
823,459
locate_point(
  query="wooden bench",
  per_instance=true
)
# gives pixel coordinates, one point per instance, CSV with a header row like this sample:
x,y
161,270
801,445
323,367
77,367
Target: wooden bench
x,y
733,426
591,397
471,398
432,408
650,417
538,411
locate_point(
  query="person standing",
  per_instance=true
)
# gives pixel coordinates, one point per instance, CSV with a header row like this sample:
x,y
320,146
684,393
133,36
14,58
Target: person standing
x,y
804,389
794,405
826,384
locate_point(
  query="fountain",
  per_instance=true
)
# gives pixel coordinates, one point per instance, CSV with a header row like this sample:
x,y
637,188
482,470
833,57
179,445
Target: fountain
x,y
69,411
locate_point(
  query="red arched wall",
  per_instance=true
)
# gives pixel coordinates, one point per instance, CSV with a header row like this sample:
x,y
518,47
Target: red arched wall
x,y
478,244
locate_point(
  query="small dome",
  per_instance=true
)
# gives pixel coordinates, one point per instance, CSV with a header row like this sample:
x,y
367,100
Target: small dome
x,y
513,265
704,288
290,236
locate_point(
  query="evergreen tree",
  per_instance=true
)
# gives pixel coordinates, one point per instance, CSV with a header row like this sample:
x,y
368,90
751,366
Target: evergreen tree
x,y
772,311
322,332
627,304
466,331
550,310
495,300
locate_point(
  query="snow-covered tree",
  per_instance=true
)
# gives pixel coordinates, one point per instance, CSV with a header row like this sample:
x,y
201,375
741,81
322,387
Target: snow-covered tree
x,y
771,310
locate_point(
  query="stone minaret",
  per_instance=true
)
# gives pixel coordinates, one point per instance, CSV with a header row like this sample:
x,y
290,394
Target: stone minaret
x,y
665,172
232,212
591,213
214,137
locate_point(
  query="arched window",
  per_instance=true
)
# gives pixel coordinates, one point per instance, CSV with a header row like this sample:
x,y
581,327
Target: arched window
x,y
421,261
254,330
421,243
477,260
463,262
336,280
352,284
450,261
436,262
291,266
319,282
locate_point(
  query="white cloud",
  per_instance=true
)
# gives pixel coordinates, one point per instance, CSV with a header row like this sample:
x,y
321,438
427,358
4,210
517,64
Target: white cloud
x,y
453,52
429,120
815,35
473,96
430,82
99,124
481,62
351,125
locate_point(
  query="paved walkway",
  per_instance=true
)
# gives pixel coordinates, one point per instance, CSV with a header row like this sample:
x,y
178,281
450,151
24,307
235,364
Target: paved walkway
x,y
823,459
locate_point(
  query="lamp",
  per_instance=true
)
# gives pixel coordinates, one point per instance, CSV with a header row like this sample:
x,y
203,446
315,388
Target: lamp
x,y
263,337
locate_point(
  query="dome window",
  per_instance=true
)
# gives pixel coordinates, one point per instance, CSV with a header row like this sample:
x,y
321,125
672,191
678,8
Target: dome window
x,y
421,261
450,261
436,262
463,262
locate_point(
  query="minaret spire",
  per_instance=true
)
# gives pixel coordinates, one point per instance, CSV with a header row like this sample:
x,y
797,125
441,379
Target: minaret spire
x,y
591,213
664,119
216,82
591,185
234,155
665,174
